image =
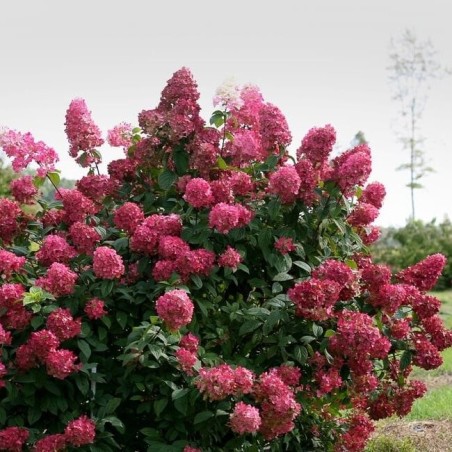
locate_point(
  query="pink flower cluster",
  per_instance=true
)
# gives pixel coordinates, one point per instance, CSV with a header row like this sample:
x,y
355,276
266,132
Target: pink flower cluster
x,y
424,274
55,249
374,194
175,308
120,135
317,145
231,258
224,217
59,280
217,383
82,133
245,419
10,263
146,235
128,217
76,205
314,299
186,355
9,214
84,237
285,245
198,193
358,340
352,168
23,149
278,405
285,182
96,187
15,315
61,323
24,190
13,439
95,309
107,263
359,429
42,348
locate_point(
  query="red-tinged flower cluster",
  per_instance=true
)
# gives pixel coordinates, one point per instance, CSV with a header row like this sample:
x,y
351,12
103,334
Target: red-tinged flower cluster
x,y
374,194
358,340
14,315
186,355
426,354
285,183
10,263
96,187
363,214
23,150
389,298
327,380
59,280
128,217
76,205
23,190
424,274
175,308
186,360
146,236
314,299
107,263
55,249
217,383
171,247
278,405
80,432
273,128
285,245
198,193
120,135
95,309
225,217
9,214
359,429
84,237
61,323
352,168
5,336
51,443
440,337
231,258
317,145
13,439
82,133
61,363
245,419
336,271
192,449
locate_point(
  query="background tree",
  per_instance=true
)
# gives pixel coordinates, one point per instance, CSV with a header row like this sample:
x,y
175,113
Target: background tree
x,y
413,67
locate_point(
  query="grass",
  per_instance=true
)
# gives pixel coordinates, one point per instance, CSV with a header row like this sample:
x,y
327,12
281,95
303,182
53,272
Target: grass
x,y
435,405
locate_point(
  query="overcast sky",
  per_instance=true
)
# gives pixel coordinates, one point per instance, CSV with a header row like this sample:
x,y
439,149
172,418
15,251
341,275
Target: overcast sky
x,y
321,62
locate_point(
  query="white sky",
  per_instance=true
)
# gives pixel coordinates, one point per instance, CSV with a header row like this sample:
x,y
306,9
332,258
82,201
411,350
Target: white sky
x,y
319,61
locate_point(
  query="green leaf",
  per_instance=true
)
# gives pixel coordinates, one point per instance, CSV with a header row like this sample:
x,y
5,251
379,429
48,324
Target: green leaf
x,y
222,164
121,318
121,243
112,405
303,265
203,416
271,321
317,330
405,360
115,422
300,354
282,277
249,326
106,287
166,179
54,177
180,157
178,393
159,406
84,348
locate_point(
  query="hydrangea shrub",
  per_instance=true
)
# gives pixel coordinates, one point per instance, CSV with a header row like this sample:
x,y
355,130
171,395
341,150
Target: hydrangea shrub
x,y
211,292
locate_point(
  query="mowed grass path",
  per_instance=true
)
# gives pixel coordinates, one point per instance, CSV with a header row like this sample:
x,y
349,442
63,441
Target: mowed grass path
x,y
428,428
